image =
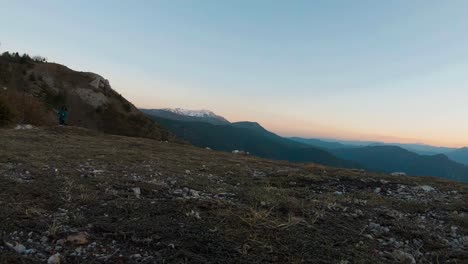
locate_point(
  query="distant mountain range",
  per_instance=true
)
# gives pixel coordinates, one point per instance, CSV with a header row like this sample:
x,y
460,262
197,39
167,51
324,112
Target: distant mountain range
x,y
211,130
421,149
459,155
322,143
246,136
393,158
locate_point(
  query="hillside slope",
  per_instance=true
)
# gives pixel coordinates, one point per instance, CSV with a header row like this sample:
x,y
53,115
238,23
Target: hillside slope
x,y
321,143
31,91
390,159
250,137
459,155
85,197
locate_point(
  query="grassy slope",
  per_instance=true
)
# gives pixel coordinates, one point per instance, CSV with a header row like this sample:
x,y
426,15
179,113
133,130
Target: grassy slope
x,y
251,210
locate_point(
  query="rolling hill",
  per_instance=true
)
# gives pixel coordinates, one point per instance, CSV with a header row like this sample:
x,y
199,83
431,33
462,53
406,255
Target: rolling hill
x,y
321,143
249,137
252,137
391,158
459,155
421,149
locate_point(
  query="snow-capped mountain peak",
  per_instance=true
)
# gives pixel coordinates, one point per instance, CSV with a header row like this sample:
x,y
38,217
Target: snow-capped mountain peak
x,y
207,114
195,113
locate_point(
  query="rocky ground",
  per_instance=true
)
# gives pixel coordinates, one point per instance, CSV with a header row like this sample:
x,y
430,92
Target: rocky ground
x,y
69,195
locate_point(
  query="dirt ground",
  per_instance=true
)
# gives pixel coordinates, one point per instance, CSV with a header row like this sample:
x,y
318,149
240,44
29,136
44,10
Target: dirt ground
x,y
69,195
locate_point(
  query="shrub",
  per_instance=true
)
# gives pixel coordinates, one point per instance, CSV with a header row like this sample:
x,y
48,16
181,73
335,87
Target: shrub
x,y
127,107
24,59
39,59
20,107
6,114
32,78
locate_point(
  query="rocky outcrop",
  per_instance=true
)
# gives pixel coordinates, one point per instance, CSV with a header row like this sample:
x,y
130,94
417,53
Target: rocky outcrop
x,y
89,97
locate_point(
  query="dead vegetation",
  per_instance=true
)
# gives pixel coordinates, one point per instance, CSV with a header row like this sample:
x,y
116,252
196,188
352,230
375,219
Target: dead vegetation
x,y
131,200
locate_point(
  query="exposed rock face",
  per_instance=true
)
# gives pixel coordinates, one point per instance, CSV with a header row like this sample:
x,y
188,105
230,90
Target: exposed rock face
x,y
93,98
99,82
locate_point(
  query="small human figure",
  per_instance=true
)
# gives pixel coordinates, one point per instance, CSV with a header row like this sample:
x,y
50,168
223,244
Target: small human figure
x,y
63,116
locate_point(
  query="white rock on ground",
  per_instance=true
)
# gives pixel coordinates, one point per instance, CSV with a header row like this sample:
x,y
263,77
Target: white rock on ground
x,y
23,127
137,192
19,248
54,259
427,188
404,257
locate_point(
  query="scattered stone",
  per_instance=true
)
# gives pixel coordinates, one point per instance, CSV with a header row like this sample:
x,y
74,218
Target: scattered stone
x,y
92,245
44,239
403,257
377,190
194,214
398,173
135,256
80,238
24,127
427,188
55,259
30,251
137,192
20,248
224,195
193,193
258,174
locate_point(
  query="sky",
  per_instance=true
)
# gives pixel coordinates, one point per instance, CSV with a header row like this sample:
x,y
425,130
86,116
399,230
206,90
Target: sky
x,y
393,71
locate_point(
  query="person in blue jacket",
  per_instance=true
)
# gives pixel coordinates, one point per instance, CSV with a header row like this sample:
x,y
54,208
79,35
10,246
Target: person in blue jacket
x,y
63,116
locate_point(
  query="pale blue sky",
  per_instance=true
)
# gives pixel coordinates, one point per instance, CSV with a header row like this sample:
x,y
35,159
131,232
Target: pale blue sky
x,y
374,70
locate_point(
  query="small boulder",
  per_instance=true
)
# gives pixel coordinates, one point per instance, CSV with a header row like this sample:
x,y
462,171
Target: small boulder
x,y
403,257
20,248
55,259
80,238
137,192
427,188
